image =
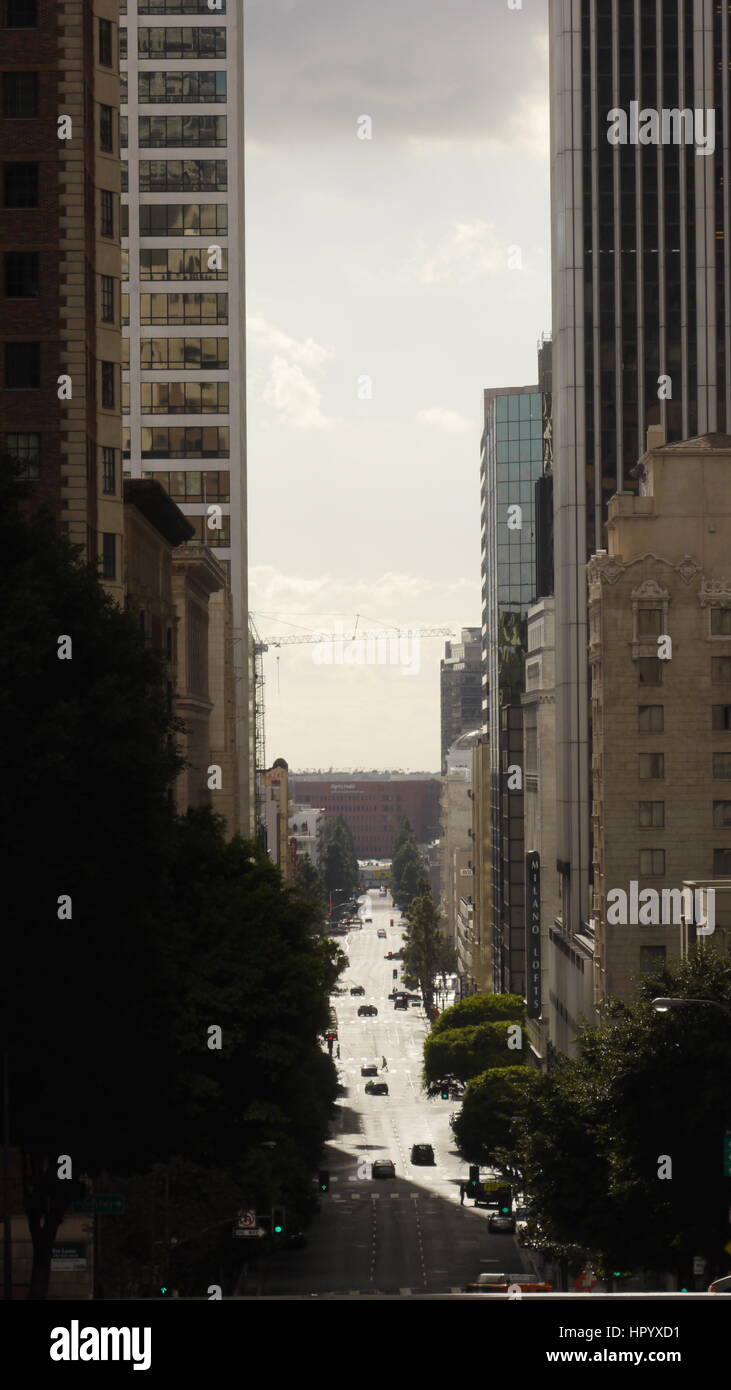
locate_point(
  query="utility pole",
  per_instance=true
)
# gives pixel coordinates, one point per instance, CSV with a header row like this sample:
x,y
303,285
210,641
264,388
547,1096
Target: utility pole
x,y
7,1215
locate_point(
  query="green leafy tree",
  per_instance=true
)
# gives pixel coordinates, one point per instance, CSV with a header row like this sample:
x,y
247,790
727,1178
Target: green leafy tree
x,y
453,1058
338,860
481,1008
426,953
309,885
488,1127
407,866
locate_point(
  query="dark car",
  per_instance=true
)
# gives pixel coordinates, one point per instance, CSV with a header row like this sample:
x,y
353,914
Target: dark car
x,y
422,1153
401,1002
376,1088
369,1069
383,1168
357,989
367,1011
501,1223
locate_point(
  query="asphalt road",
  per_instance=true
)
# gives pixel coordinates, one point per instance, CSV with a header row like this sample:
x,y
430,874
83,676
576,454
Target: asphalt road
x,y
407,1235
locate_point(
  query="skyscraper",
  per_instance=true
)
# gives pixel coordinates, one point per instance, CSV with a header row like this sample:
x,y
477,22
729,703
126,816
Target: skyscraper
x,y
641,248
184,301
460,688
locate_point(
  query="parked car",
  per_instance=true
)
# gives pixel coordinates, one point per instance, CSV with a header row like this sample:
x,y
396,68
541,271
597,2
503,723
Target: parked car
x,y
369,1069
376,1088
383,1168
367,919
400,1002
422,1153
367,1011
500,1283
357,989
496,1222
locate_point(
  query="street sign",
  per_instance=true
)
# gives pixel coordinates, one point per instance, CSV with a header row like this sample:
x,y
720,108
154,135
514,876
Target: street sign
x,y
68,1257
239,1234
101,1205
699,1264
246,1220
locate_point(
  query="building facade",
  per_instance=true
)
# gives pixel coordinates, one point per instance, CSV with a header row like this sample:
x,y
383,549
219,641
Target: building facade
x,y
60,387
641,270
457,858
460,688
660,650
184,293
373,805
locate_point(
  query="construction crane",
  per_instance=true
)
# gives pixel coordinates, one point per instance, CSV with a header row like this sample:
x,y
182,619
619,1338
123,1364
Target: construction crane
x,y
268,642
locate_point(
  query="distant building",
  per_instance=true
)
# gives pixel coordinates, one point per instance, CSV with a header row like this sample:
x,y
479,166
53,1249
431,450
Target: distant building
x,y
373,804
305,824
457,855
460,688
275,816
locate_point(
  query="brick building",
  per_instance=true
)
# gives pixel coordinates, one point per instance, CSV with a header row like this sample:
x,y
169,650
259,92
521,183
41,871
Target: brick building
x,y
372,805
60,402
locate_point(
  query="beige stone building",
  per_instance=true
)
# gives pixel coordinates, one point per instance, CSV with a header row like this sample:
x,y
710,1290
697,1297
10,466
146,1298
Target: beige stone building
x,y
196,576
457,855
660,655
274,783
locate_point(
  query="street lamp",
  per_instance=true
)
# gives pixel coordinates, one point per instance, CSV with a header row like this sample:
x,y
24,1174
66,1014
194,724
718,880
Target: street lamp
x,y
666,1006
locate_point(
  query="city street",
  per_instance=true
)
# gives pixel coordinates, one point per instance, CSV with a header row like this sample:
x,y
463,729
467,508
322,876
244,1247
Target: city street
x,y
406,1235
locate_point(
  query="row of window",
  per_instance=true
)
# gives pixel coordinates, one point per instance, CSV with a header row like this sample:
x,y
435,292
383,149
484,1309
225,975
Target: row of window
x,y
652,863
20,102
209,354
180,176
21,281
176,88
190,263
19,14
181,442
650,669
652,766
195,307
168,131
23,451
23,372
180,397
195,485
184,41
651,718
180,219
176,6
652,815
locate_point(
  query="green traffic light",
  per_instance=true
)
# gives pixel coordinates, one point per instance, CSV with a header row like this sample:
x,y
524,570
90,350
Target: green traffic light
x,y
278,1230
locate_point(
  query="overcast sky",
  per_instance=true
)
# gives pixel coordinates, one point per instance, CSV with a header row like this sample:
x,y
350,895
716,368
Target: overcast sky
x,y
390,280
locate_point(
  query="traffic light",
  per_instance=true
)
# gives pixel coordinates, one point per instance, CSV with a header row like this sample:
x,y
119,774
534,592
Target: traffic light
x,y
504,1201
395,974
473,1182
278,1221
444,1093
324,1180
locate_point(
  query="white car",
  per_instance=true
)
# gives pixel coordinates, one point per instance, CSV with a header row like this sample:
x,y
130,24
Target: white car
x,y
381,932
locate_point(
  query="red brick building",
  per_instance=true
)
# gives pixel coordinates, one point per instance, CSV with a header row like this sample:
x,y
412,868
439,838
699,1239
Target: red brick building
x,y
372,804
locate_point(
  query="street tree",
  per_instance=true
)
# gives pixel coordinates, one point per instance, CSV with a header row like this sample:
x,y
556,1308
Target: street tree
x,y
481,1008
454,1058
426,953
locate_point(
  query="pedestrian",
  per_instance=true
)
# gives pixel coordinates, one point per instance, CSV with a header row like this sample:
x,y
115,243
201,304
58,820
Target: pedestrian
x,y
461,1194
385,1067
338,1052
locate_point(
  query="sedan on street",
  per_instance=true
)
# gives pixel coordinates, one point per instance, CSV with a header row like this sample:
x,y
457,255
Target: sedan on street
x,y
383,1168
501,1223
357,989
369,1069
376,1088
422,1153
367,1011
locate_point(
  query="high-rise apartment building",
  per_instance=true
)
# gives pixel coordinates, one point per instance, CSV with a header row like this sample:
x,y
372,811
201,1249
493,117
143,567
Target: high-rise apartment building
x,y
60,386
460,688
184,302
641,251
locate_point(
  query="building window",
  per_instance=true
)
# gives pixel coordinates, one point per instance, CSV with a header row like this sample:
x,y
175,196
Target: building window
x,y
184,353
23,452
651,719
106,141
21,274
179,7
650,670
20,14
652,959
652,862
21,185
181,263
183,308
106,59
721,670
107,370
22,365
721,718
183,219
109,555
651,814
183,176
106,298
181,88
652,765
124,179
206,132
106,212
184,397
185,441
20,94
186,42
109,470
649,622
720,622
123,51
722,863
722,765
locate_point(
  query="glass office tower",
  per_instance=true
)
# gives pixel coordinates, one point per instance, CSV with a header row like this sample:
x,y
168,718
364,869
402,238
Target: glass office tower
x,y
184,299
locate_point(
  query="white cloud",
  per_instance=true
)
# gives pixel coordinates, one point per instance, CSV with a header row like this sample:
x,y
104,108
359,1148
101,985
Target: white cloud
x,y
269,338
449,420
471,249
284,385
292,395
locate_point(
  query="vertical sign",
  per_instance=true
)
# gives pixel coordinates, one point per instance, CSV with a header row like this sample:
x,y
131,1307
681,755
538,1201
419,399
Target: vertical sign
x,y
533,933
